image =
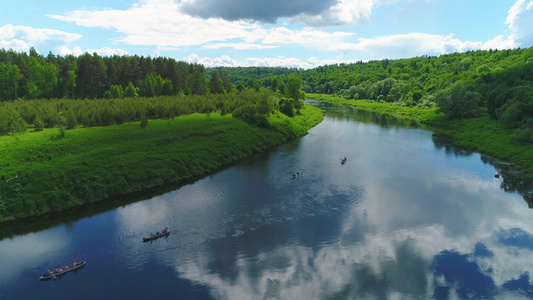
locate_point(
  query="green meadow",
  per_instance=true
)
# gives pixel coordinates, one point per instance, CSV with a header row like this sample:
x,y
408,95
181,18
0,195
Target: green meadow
x,y
43,171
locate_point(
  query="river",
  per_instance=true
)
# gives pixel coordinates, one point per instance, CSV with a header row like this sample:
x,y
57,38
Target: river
x,y
406,217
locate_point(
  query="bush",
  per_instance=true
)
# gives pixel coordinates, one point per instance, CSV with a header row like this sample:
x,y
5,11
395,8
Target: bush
x,y
459,101
144,121
522,135
39,124
255,116
18,125
72,122
286,106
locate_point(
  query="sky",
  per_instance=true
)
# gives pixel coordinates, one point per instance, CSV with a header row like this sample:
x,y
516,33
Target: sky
x,y
274,33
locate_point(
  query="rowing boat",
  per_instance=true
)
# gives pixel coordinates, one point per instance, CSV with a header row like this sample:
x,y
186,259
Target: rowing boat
x,y
49,275
155,236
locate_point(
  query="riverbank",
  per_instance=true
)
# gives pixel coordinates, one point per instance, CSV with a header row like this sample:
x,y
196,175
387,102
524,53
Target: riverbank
x,y
482,134
43,172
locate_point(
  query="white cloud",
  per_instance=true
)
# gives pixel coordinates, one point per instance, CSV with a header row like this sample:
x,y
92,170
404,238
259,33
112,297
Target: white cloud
x,y
105,51
238,46
21,38
279,61
408,45
344,12
520,22
306,36
289,62
15,44
161,23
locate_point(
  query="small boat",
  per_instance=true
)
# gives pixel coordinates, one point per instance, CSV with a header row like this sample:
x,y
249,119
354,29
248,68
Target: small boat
x,y
49,275
343,161
165,232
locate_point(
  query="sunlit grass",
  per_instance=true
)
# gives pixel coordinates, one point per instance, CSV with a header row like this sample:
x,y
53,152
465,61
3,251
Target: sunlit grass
x,y
40,171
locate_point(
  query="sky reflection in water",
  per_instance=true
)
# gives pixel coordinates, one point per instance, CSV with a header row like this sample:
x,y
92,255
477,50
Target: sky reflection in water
x,y
403,218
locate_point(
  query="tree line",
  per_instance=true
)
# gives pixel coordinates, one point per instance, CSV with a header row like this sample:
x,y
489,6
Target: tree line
x,y
461,85
90,76
18,116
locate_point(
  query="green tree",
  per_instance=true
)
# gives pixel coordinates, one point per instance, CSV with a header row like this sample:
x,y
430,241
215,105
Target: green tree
x,y
66,82
130,91
38,123
216,86
41,79
293,87
91,76
286,106
459,101
197,81
9,77
115,92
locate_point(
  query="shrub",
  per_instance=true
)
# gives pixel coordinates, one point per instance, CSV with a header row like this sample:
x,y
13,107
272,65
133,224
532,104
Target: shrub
x,y
286,106
256,116
144,121
522,135
39,124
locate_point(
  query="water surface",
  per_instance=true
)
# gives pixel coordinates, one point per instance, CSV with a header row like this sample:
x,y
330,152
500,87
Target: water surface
x,y
407,217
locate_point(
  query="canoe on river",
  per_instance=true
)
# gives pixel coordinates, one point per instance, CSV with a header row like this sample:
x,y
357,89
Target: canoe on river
x,y
49,275
156,236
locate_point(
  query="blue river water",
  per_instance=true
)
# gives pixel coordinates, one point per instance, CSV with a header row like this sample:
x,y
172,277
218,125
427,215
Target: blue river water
x,y
407,216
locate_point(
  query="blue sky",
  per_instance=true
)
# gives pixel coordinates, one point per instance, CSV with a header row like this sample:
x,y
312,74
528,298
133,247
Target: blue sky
x,y
296,33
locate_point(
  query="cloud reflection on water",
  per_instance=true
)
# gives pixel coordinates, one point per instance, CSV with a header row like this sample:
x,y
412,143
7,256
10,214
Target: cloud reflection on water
x,y
372,228
31,249
366,259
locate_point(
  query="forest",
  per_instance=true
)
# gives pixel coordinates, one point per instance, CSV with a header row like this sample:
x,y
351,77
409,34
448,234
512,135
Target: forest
x,y
40,92
497,83
90,76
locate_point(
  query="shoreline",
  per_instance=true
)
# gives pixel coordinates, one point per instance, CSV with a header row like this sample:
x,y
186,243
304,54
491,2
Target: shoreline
x,y
96,164
481,134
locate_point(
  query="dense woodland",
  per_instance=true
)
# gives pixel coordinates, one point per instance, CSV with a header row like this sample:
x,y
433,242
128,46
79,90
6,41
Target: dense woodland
x,y
54,91
462,85
90,76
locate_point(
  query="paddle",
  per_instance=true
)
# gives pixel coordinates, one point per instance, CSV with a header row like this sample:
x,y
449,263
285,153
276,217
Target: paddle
x,y
52,274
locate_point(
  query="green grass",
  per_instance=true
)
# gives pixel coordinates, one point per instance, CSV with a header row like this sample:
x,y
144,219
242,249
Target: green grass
x,y
95,163
477,134
421,114
488,137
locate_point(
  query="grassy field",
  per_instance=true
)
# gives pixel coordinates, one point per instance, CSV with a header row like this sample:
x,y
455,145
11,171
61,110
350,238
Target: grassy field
x,y
478,134
42,172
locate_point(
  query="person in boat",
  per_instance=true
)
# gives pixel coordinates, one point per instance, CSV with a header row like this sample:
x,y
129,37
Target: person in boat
x,y
157,233
72,265
58,269
151,234
165,230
